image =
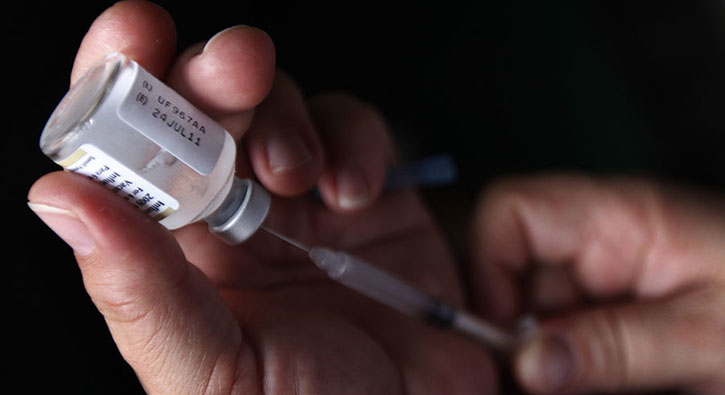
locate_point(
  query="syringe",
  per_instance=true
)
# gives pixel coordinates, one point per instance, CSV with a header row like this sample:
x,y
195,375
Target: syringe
x,y
387,289
104,127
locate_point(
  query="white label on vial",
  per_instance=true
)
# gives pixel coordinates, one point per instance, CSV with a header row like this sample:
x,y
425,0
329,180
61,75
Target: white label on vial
x,y
92,162
167,119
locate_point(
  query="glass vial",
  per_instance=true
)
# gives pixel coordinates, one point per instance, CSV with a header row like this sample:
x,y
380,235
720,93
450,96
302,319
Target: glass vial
x,y
125,129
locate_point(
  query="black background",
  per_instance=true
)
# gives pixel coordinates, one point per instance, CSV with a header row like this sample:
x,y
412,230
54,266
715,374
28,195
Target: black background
x,y
504,87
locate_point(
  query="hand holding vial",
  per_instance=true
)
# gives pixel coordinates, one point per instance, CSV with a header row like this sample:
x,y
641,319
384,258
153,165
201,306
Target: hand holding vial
x,y
192,314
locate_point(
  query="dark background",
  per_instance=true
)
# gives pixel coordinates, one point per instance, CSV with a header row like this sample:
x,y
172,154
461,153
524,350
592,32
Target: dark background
x,y
514,87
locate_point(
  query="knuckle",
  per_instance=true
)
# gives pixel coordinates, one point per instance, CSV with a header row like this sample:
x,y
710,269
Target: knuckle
x,y
348,120
616,350
603,340
285,82
499,198
124,311
348,106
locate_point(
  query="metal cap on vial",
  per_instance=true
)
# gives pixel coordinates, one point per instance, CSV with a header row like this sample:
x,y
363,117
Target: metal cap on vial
x,y
242,213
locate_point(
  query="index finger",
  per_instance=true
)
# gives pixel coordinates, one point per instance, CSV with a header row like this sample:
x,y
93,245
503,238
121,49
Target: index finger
x,y
599,232
142,30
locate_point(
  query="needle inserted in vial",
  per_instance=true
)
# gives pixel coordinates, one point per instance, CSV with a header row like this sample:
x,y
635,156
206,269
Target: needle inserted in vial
x,y
387,289
124,128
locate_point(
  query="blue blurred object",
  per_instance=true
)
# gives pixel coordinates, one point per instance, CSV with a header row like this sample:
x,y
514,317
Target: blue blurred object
x,y
432,171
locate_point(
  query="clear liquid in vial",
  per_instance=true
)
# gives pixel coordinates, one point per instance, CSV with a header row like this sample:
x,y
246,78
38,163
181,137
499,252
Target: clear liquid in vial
x,y
156,136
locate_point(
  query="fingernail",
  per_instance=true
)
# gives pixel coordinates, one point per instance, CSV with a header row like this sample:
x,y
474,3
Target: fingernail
x,y
67,226
352,189
547,364
286,152
214,37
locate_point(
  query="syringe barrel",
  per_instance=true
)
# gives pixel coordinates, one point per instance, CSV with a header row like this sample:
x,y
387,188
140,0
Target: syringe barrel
x,y
393,292
373,282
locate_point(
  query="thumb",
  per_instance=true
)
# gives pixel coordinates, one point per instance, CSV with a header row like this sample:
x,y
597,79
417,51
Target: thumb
x,y
673,343
167,319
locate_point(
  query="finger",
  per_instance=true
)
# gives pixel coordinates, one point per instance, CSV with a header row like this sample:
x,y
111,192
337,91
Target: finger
x,y
358,148
551,290
227,76
672,343
283,146
167,319
142,30
287,157
614,235
523,222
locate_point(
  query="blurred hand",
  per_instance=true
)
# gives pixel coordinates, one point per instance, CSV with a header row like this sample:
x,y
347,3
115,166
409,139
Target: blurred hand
x,y
627,276
193,315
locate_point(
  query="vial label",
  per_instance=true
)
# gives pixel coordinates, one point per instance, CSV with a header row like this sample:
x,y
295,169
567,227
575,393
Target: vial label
x,y
170,121
92,162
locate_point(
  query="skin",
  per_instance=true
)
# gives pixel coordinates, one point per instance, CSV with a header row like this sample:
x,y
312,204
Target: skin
x,y
193,315
627,276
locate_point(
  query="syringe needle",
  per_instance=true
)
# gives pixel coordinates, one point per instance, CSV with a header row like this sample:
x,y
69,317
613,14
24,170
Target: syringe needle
x,y
286,239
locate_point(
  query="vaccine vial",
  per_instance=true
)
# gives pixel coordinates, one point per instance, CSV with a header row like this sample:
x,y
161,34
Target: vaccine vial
x,y
122,127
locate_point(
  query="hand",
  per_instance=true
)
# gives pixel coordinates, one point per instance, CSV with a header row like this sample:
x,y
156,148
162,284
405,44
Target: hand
x,y
193,315
628,277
